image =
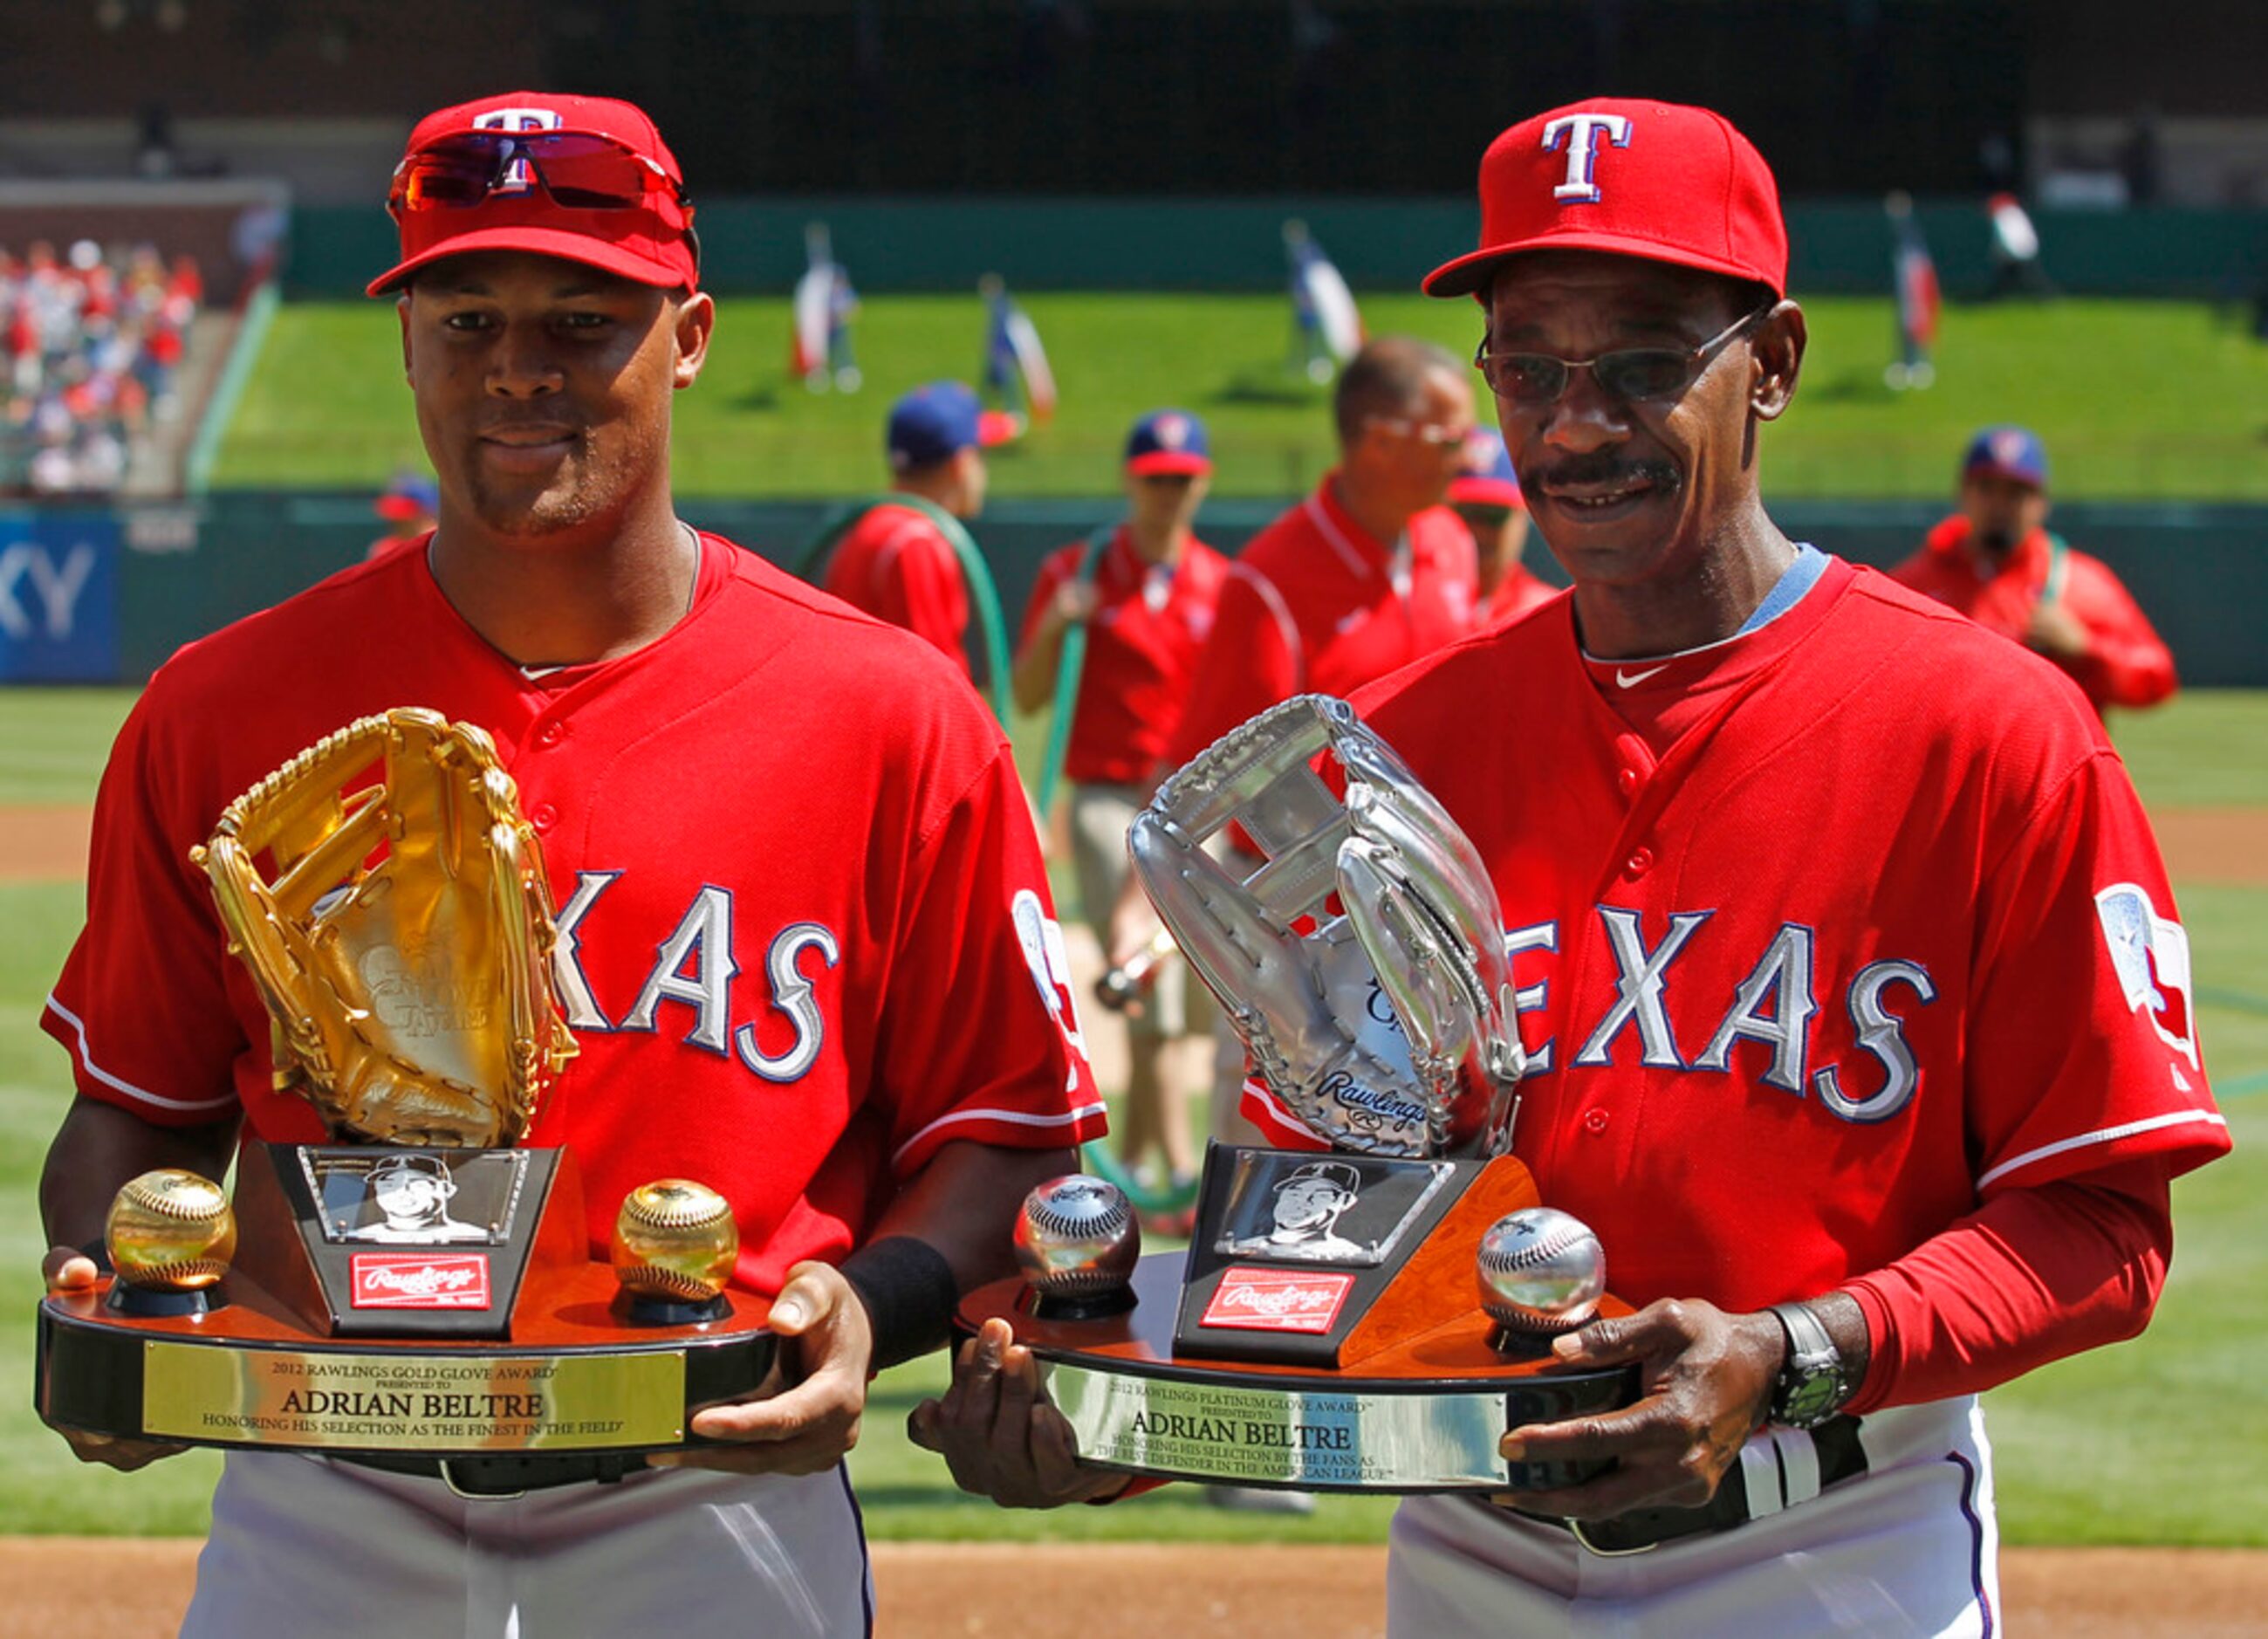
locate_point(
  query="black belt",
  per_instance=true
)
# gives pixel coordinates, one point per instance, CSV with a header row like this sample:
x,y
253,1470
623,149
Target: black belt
x,y
503,1475
1840,1457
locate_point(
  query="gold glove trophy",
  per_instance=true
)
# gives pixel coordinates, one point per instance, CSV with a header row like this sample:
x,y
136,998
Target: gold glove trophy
x,y
1371,1317
418,1293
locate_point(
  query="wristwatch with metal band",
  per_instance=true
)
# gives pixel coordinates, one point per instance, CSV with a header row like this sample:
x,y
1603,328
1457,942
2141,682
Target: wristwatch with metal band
x,y
1814,1382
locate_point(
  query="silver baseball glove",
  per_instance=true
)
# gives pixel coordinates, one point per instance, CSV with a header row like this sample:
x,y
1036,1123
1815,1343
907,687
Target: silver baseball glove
x,y
1391,1028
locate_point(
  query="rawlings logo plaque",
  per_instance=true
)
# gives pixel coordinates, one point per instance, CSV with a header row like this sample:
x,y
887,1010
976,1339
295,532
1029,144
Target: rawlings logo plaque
x,y
1278,1300
420,1279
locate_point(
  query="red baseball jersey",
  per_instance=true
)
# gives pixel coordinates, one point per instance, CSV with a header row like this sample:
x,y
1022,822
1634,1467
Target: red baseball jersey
x,y
1314,603
805,936
1518,592
1143,640
1844,958
2126,663
895,564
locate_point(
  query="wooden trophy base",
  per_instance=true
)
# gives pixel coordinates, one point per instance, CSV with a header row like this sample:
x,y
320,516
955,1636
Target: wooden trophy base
x,y
344,1339
1418,1401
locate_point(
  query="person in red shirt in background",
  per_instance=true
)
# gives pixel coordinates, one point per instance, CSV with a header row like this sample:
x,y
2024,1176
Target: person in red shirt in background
x,y
411,505
1362,578
1486,496
894,563
1996,561
1367,574
1147,600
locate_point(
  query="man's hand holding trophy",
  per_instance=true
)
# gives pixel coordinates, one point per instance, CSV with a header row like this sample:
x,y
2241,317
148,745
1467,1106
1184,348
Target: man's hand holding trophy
x,y
1371,1313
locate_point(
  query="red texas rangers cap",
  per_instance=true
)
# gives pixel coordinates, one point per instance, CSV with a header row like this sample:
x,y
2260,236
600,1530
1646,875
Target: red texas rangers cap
x,y
1631,177
493,175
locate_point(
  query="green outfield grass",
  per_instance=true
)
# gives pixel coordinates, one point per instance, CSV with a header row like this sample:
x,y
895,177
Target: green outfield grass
x,y
2151,1441
2135,398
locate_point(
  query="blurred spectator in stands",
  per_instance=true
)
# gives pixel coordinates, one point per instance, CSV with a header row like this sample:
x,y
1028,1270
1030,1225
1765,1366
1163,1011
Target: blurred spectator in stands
x,y
156,155
2141,161
411,505
89,343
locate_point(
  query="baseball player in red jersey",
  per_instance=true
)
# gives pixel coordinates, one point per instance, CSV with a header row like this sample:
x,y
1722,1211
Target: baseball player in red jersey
x,y
893,562
814,966
1365,575
1485,497
1857,1007
1996,561
1146,599
1368,572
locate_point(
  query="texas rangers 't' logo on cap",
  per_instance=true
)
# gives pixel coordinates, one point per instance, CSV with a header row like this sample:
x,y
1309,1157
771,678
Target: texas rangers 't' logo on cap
x,y
1579,133
518,177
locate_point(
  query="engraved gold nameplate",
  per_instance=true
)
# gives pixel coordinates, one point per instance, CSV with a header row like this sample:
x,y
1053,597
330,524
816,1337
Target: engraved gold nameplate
x,y
1317,1438
411,1403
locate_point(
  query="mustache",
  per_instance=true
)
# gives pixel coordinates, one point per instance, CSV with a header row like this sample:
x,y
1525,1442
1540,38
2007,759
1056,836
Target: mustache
x,y
1603,469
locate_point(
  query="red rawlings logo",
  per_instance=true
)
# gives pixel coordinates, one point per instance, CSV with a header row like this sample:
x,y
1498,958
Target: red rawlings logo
x,y
1277,1300
420,1279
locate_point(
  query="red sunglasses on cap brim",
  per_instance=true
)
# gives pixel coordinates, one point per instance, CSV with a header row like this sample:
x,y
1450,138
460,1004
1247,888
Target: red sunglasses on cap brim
x,y
578,170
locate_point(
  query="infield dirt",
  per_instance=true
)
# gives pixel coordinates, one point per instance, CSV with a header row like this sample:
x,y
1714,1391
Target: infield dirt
x,y
127,1588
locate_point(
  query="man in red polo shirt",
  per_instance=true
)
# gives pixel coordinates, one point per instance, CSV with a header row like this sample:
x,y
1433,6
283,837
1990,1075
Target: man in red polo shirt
x,y
1996,561
1486,497
894,563
1366,575
1147,599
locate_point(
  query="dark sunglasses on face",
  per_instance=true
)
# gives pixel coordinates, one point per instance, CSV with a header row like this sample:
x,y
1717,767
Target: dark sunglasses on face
x,y
1630,373
581,172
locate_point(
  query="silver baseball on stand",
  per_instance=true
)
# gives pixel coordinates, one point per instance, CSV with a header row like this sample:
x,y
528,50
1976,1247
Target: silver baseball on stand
x,y
1540,1271
1077,1242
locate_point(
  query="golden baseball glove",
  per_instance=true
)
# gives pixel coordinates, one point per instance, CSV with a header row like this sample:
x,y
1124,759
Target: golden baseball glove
x,y
401,934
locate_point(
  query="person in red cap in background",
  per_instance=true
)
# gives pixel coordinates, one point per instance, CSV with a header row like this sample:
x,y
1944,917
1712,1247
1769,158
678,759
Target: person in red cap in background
x,y
894,563
804,946
1365,575
1996,561
411,506
1146,598
1485,496
1793,863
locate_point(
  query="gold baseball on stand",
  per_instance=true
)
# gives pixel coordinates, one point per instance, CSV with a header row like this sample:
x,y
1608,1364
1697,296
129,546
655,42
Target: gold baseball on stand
x,y
170,1230
675,1240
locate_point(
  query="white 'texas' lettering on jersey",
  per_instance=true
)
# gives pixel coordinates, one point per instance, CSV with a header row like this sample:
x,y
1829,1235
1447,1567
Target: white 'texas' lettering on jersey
x,y
694,967
1643,973
702,938
791,994
1776,1005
